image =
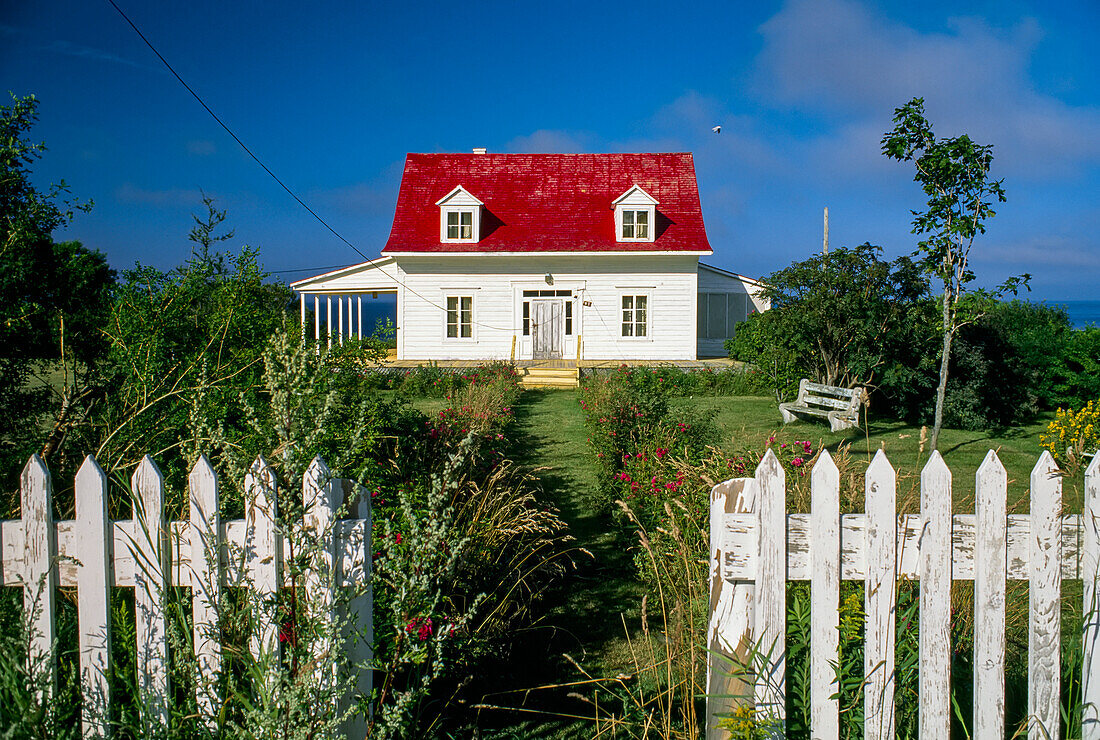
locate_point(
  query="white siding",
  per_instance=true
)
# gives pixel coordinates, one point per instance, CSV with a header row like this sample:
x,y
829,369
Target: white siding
x,y
496,285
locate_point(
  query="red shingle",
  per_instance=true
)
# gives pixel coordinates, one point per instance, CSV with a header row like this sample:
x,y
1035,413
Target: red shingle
x,y
548,202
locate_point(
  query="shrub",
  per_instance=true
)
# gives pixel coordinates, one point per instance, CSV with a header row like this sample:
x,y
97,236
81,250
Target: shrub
x,y
1004,366
433,381
838,318
1074,436
627,418
1076,374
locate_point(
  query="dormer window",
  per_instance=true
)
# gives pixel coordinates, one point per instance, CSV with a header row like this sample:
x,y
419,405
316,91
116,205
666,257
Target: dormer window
x,y
459,217
635,224
635,214
460,225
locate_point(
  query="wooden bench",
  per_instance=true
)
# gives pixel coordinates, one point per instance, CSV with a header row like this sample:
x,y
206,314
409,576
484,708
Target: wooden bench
x,y
840,406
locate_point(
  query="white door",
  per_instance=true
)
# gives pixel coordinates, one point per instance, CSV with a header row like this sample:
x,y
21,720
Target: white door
x,y
547,329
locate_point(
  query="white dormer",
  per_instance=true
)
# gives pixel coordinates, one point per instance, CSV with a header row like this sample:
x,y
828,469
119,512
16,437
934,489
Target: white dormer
x,y
459,217
635,216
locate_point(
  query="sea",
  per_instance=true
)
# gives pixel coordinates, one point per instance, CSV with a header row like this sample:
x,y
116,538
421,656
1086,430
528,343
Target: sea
x,y
1081,313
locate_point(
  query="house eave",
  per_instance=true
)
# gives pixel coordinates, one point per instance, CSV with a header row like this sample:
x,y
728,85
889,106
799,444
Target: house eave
x,y
304,283
727,273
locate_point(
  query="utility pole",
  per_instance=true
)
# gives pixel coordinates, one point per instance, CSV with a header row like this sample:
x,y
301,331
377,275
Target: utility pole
x,y
825,241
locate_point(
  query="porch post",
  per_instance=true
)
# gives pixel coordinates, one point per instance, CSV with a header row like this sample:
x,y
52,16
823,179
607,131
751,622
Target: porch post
x,y
317,321
340,311
302,303
360,321
328,324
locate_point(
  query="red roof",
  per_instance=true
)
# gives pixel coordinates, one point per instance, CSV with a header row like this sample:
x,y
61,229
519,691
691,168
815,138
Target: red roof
x,y
548,202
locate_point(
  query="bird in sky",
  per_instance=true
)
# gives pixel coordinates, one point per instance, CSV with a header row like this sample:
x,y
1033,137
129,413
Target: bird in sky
x,y
717,129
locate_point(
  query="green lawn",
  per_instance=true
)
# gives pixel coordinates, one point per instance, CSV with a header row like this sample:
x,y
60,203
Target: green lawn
x,y
745,423
587,611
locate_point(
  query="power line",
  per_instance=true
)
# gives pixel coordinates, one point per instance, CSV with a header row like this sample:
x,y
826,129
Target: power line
x,y
276,177
230,131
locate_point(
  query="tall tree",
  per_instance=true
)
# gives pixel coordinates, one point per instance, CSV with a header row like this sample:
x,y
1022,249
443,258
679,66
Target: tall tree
x,y
954,174
202,234
53,300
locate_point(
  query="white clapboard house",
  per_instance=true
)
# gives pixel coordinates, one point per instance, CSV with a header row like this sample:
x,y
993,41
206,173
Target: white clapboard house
x,y
543,256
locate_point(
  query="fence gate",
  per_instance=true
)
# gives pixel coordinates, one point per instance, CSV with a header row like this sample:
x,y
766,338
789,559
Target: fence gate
x,y
756,547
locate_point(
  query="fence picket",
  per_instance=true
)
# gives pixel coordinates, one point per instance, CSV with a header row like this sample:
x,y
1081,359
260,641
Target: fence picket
x,y
150,552
990,554
206,580
879,599
771,588
39,562
262,554
1045,611
93,534
824,597
319,495
935,599
358,619
731,609
1090,581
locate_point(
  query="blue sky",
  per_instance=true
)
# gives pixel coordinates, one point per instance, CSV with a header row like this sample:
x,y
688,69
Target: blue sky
x,y
332,96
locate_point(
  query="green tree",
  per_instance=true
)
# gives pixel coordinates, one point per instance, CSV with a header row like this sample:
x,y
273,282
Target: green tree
x,y
53,299
202,234
954,174
843,318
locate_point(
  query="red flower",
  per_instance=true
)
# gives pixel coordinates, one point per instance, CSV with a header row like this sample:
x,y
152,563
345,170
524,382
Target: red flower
x,y
421,626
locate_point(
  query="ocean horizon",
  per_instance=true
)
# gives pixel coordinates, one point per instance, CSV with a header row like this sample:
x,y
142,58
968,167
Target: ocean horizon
x,y
1082,314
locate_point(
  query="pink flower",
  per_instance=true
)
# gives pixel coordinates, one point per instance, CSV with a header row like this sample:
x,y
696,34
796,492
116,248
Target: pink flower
x,y
797,462
397,538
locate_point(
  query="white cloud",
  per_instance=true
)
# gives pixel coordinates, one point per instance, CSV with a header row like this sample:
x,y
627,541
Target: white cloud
x,y
839,60
550,141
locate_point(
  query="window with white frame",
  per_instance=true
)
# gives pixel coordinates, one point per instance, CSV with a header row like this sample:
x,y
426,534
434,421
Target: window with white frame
x,y
635,315
460,225
460,317
635,225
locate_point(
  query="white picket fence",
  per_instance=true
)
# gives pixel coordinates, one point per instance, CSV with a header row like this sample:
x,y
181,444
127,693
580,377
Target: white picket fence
x,y
756,547
150,554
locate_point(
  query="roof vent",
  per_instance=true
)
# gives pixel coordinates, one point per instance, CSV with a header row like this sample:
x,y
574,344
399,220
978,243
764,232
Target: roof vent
x,y
479,150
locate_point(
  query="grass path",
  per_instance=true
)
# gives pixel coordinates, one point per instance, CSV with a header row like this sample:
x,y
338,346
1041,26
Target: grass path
x,y
586,611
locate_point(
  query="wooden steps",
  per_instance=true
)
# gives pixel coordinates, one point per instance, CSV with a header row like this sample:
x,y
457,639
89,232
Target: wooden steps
x,y
550,377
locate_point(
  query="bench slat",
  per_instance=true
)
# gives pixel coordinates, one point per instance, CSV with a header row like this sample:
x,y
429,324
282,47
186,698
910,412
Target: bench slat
x,y
795,408
832,403
830,390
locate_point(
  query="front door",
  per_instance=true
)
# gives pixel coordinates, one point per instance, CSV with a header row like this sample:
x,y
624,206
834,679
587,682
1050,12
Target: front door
x,y
546,329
